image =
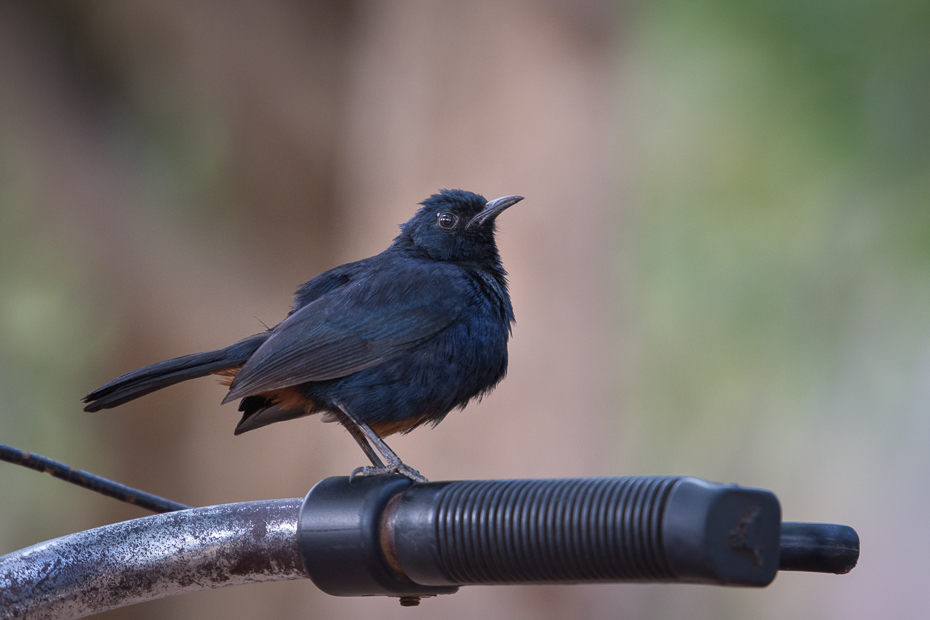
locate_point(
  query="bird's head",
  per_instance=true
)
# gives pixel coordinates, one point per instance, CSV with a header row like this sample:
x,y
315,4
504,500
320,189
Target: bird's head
x,y
456,225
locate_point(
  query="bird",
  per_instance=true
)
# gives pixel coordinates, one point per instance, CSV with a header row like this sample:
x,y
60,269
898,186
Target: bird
x,y
381,345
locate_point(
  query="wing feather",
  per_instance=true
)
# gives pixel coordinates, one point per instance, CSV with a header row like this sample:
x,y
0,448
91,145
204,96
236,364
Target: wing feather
x,y
356,326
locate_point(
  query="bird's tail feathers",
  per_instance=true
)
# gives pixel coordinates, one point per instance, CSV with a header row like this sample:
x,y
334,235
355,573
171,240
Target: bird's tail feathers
x,y
157,376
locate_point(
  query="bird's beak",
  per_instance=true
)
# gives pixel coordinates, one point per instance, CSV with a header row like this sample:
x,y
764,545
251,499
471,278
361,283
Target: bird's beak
x,y
492,209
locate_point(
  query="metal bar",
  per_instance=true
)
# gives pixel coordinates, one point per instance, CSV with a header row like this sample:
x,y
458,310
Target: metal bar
x,y
152,557
818,548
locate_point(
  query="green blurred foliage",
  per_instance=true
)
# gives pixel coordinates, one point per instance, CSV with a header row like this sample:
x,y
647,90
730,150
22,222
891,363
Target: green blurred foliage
x,y
50,328
776,261
52,333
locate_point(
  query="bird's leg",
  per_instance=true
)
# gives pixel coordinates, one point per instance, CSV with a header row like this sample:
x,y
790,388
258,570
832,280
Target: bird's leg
x,y
394,464
363,435
362,442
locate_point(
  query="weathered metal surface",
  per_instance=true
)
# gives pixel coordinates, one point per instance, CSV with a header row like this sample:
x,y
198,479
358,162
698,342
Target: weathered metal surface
x,y
153,557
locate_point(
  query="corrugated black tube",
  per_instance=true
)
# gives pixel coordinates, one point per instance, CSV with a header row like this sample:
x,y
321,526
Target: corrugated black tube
x,y
536,531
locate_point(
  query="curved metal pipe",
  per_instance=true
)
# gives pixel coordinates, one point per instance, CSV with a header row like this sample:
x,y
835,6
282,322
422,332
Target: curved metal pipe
x,y
152,557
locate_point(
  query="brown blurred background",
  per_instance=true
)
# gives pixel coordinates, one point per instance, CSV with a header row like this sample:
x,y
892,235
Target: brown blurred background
x,y
722,267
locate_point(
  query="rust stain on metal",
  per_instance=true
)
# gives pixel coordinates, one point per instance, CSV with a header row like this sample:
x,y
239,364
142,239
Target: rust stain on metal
x,y
386,535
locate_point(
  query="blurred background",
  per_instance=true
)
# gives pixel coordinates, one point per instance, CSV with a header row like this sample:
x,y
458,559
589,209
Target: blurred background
x,y
721,268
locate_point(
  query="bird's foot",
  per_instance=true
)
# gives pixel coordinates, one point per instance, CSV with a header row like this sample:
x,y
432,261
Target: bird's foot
x,y
391,468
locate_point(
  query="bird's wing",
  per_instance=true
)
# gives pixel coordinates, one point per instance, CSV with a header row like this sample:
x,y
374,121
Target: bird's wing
x,y
328,281
359,325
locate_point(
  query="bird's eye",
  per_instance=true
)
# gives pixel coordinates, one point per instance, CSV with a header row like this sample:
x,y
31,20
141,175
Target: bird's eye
x,y
447,220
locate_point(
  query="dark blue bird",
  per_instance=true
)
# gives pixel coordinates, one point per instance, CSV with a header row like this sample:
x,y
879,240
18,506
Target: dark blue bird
x,y
381,345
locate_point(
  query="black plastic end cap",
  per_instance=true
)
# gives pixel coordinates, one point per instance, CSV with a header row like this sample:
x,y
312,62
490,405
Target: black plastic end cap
x,y
339,542
722,534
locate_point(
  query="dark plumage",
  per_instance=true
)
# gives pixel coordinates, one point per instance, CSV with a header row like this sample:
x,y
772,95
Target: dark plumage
x,y
382,345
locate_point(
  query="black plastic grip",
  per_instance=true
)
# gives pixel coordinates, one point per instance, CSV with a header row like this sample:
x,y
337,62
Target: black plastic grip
x,y
534,531
587,530
383,535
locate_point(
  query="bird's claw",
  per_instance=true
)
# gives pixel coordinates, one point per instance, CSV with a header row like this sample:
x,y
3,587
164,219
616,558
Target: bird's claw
x,y
390,468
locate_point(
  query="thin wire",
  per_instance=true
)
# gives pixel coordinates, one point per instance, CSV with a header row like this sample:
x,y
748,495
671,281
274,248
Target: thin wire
x,y
89,481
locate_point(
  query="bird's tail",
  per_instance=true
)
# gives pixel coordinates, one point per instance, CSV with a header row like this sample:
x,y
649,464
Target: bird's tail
x,y
157,376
